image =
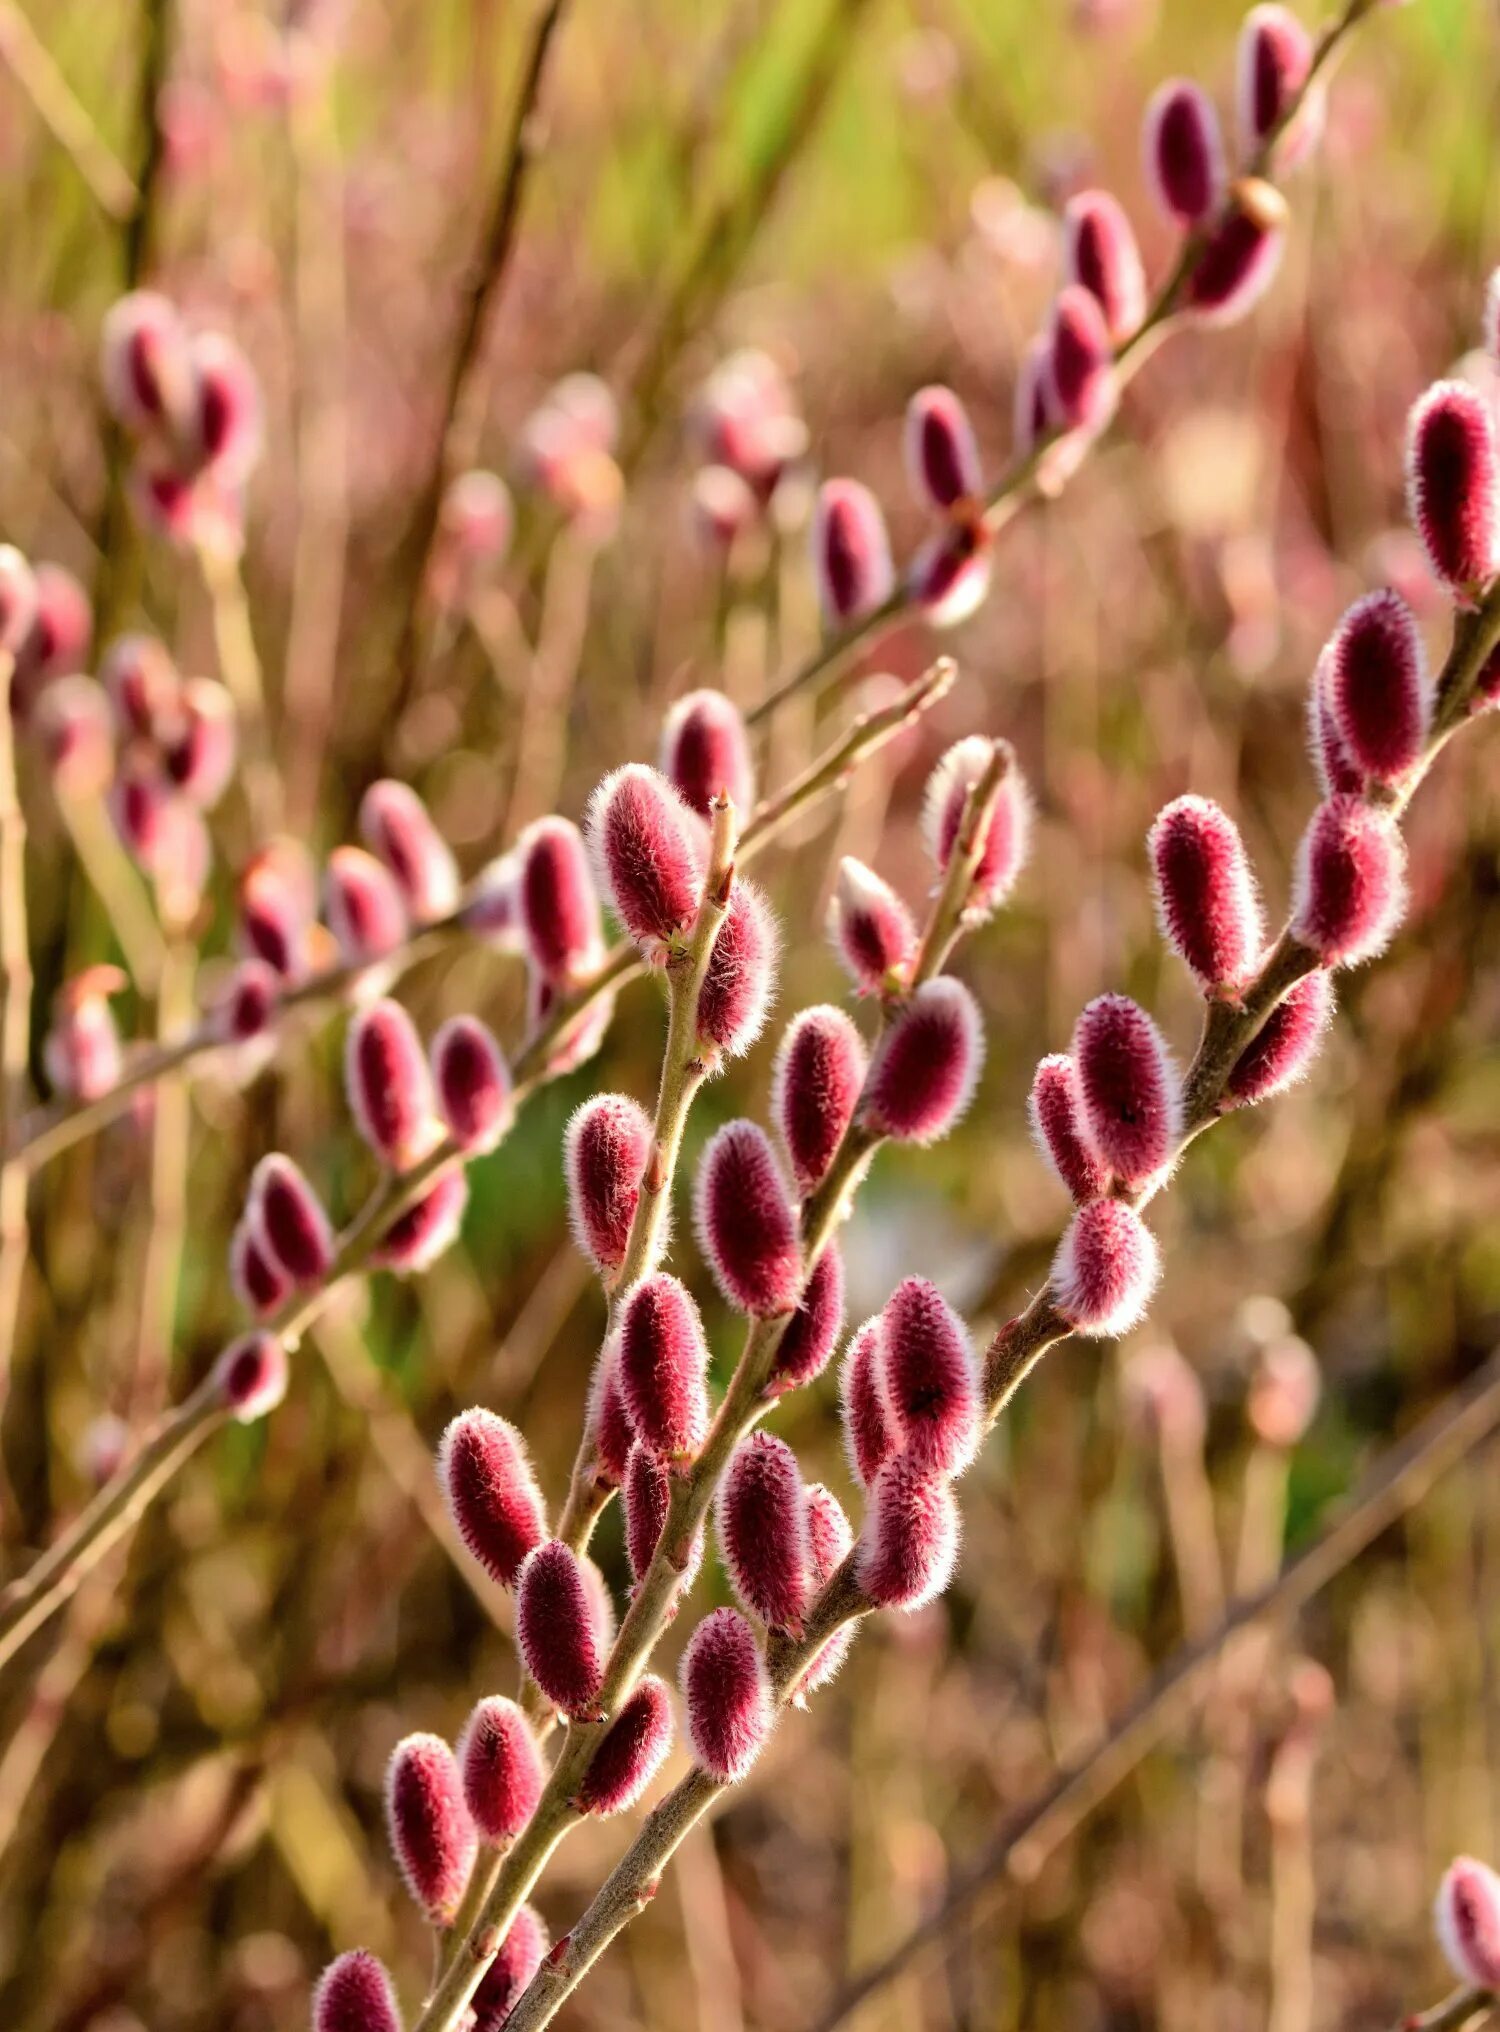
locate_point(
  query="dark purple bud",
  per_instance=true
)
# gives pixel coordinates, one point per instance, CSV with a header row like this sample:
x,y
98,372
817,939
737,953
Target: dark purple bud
x,y
1335,766
745,1223
229,420
430,1226
909,1545
927,1065
1272,60
1105,1269
632,1752
559,908
1131,1095
1184,152
871,929
942,457
250,1376
259,1284
363,906
1377,689
1349,884
929,1379
609,1424
1081,391
354,1994
389,1086
1285,1045
273,919
1451,483
727,1696
502,1770
663,1367
813,1329
741,975
396,827
1239,259
949,577
605,1153
200,759
520,1955
75,733
492,906
1031,418
1205,893
560,1629
830,1539
1101,255
144,363
705,752
431,1834
871,1436
851,553
648,850
1057,1125
144,688
472,1082
763,1530
491,1493
647,1492
820,1070
288,1222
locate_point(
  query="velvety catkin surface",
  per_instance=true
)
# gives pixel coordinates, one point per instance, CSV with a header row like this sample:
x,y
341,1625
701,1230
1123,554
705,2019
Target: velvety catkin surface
x,y
192,1759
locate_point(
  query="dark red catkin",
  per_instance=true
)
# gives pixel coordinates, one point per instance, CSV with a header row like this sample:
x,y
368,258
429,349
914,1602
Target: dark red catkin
x,y
502,1769
663,1366
560,1629
632,1752
432,1836
745,1223
763,1530
491,1493
820,1069
727,1696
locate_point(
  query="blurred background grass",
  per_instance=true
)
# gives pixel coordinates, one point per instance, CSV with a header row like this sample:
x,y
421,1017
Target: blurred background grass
x,y
193,1824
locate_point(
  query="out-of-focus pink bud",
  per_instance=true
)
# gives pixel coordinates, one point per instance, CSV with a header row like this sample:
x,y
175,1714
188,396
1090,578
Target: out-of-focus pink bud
x,y
745,1223
1080,384
746,420
851,553
354,1994
929,1378
144,687
559,908
1272,60
632,1752
1101,255
274,917
942,455
516,1962
363,906
201,759
415,1239
1105,1269
491,1493
927,1065
1467,1917
1285,1045
663,1367
727,1696
565,451
1031,421
559,1628
871,929
492,907
259,1282
472,1082
81,1052
830,1539
166,501
1284,1391
1183,152
1452,491
396,827
813,1329
474,530
820,1069
182,861
18,599
580,1036
389,1086
502,1769
57,641
909,1545
1007,836
1349,885
1056,1109
229,426
74,730
740,979
871,1436
1205,893
250,1376
1132,1100
1377,689
949,577
1163,1397
288,1222
648,851
705,752
140,805
144,364
763,1530
723,506
1239,259
605,1152
431,1834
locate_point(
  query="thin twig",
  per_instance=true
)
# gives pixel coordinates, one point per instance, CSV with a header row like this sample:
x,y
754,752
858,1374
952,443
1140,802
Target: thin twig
x,y
240,669
15,1026
36,71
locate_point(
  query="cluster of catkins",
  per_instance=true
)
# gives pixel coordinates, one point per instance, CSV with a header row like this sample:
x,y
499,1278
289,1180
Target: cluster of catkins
x,y
1067,387
911,1388
190,405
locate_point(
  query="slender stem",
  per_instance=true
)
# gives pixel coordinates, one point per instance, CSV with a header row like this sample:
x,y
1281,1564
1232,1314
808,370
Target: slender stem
x,y
57,105
15,1026
118,886
240,668
162,1270
1034,474
1464,2007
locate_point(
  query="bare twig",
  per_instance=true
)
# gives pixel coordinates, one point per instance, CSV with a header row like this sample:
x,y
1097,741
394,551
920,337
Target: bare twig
x,y
15,1026
35,70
